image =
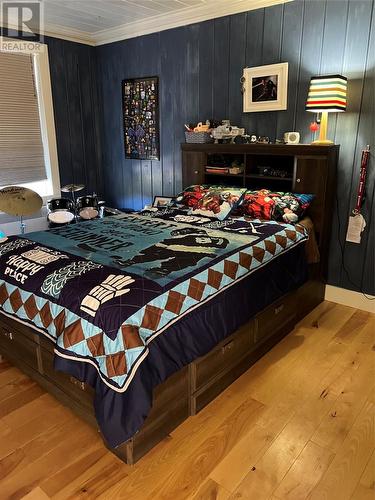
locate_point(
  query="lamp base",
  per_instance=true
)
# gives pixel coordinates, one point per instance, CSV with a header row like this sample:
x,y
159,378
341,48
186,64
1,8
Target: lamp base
x,y
324,142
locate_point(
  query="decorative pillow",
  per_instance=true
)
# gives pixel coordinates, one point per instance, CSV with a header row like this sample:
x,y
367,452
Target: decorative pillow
x,y
305,200
258,204
267,205
190,196
287,208
219,201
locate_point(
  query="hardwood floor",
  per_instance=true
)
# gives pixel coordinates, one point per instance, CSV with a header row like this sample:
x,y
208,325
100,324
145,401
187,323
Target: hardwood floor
x,y
300,424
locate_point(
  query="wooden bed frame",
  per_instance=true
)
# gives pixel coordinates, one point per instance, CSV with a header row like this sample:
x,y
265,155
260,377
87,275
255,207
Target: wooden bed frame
x,y
186,392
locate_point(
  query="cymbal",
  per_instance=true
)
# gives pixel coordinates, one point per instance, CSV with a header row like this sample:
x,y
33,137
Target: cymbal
x,y
72,188
16,200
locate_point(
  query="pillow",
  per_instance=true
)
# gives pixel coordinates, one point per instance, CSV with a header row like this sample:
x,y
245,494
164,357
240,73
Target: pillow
x,y
218,201
191,195
287,208
305,200
290,207
257,204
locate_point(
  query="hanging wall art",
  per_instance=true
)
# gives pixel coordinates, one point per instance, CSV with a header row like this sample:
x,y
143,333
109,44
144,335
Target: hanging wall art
x,y
141,118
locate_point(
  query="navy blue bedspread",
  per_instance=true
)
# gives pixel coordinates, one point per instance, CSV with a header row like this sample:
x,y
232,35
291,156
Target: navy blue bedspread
x,y
131,299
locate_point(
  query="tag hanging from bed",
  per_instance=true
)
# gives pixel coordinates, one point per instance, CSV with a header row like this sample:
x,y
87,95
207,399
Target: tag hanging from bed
x,y
357,222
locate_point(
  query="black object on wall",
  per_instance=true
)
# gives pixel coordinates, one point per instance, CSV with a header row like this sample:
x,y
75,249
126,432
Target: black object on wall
x,y
200,66
140,101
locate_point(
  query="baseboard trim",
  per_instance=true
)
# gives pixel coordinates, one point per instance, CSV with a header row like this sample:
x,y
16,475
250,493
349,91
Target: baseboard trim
x,y
349,298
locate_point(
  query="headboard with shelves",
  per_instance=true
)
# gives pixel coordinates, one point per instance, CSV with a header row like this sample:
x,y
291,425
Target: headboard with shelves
x,y
298,168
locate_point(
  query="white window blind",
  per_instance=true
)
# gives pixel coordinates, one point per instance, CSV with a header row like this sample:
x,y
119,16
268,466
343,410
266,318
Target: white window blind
x,y
21,147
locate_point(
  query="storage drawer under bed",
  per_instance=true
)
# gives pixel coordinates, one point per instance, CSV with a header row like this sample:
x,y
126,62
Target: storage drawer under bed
x,y
279,315
68,384
222,358
20,347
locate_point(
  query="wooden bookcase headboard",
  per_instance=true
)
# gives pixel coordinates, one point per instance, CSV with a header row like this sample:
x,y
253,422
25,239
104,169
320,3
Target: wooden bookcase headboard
x,y
298,168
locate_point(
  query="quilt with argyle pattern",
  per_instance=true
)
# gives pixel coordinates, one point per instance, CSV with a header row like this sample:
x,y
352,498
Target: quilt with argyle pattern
x,y
105,290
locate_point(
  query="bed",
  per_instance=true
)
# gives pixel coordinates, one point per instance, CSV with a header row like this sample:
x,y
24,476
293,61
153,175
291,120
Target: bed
x,y
139,320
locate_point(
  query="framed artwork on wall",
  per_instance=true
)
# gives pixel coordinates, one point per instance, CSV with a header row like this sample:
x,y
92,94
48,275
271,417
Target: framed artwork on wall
x,y
265,88
140,101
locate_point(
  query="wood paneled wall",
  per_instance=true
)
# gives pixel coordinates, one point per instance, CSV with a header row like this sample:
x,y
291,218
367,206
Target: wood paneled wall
x,y
76,104
200,68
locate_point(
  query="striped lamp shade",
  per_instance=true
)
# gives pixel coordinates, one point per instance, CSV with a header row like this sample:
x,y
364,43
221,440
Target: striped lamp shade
x,y
327,93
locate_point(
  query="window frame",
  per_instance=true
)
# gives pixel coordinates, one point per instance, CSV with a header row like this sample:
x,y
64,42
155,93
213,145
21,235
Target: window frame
x,y
46,116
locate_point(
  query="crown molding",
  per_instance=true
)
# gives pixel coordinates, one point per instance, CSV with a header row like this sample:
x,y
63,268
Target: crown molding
x,y
161,22
182,17
69,34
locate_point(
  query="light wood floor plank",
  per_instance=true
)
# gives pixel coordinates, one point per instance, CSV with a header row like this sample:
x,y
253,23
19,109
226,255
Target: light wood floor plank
x,y
305,473
349,331
210,490
197,466
36,494
365,489
341,416
351,459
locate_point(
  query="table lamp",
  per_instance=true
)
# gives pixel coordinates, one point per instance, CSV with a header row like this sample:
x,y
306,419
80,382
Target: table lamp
x,y
327,94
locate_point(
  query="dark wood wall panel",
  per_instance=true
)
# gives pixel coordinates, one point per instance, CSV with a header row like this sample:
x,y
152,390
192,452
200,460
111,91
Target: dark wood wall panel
x,y
76,101
200,67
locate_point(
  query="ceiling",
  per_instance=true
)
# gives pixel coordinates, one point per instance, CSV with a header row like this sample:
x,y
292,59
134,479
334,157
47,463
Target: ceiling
x,y
97,22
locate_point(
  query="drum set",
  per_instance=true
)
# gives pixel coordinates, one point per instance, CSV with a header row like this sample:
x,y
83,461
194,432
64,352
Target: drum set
x,y
62,211
20,202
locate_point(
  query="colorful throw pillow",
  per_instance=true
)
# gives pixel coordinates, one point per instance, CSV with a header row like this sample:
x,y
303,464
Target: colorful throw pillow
x,y
305,200
267,205
190,196
287,208
258,204
219,202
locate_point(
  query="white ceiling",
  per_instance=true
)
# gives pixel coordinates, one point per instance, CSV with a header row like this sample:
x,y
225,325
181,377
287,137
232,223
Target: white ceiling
x,y
97,22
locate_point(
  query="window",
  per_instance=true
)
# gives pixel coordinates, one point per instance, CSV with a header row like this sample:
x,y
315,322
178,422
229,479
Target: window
x,y
28,155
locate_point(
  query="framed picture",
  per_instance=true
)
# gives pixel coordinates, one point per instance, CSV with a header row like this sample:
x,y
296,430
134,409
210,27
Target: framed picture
x,y
161,201
140,102
265,88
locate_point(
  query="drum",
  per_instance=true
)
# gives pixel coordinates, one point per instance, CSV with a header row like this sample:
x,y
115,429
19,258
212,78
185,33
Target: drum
x,y
60,211
88,207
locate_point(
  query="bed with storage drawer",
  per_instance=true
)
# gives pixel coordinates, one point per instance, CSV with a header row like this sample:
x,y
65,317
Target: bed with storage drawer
x,y
137,348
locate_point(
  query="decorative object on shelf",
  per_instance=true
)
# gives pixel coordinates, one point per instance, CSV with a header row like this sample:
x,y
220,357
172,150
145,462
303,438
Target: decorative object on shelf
x,y
263,140
217,170
272,172
242,139
141,118
291,137
161,201
19,201
227,132
198,134
202,128
265,88
235,170
198,137
327,94
314,126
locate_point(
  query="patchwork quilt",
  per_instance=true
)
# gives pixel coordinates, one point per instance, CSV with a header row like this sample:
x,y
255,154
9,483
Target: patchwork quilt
x,y
103,291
